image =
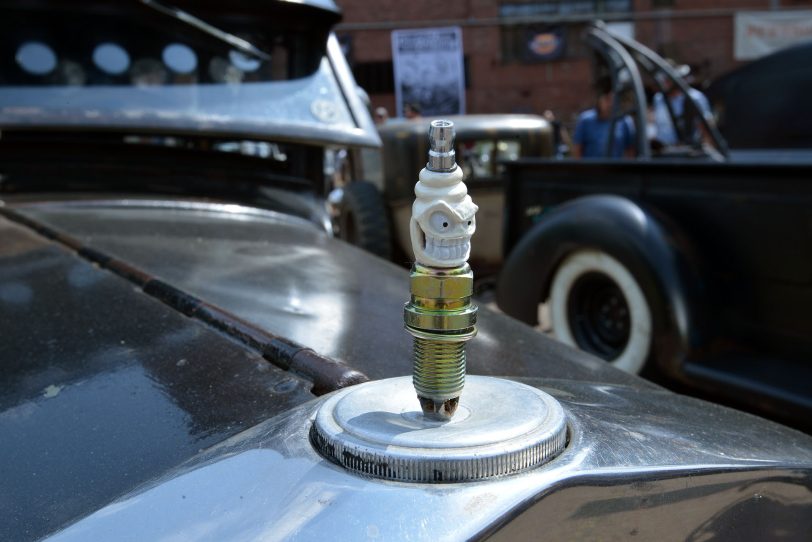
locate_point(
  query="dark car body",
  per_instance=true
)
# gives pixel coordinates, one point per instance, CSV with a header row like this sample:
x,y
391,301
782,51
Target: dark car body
x,y
165,347
765,104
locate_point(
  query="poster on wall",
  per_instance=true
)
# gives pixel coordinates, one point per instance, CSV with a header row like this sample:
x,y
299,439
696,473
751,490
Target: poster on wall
x,y
429,70
761,33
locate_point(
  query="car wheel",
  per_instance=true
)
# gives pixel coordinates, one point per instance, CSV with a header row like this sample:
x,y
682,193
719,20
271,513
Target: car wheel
x,y
597,305
362,219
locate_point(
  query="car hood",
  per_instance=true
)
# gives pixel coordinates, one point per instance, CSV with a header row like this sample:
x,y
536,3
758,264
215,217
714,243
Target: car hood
x,y
161,344
286,277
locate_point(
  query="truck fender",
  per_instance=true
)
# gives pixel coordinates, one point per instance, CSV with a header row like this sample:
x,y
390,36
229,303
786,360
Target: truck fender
x,y
651,248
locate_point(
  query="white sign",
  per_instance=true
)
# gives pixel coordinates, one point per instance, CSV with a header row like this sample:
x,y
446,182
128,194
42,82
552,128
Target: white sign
x,y
429,70
623,29
758,33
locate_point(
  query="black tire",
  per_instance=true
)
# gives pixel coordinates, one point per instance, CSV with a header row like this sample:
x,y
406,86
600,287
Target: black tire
x,y
362,219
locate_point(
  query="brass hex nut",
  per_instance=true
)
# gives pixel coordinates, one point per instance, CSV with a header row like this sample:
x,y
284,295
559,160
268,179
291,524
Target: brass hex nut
x,y
448,321
441,285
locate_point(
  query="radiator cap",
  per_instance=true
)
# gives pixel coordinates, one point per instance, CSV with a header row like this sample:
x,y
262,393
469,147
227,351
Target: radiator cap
x,y
378,429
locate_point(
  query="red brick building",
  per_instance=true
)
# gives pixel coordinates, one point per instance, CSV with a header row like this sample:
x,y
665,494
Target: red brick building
x,y
499,79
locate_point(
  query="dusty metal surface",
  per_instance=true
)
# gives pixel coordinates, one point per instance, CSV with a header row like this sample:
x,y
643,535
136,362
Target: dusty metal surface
x,y
298,284
92,419
103,388
325,373
640,463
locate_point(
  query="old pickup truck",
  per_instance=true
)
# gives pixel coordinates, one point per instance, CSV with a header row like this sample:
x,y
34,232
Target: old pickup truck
x,y
694,264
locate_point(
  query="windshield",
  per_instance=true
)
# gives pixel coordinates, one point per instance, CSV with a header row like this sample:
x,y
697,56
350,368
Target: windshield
x,y
190,67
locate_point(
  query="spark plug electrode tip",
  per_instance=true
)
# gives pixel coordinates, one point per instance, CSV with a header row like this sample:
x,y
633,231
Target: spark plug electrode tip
x,y
440,411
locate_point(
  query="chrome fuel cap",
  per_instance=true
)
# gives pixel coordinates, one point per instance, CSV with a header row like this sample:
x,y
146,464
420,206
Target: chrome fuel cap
x,y
378,429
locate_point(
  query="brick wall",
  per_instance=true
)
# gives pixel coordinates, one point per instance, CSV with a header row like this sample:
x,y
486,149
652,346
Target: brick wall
x,y
694,32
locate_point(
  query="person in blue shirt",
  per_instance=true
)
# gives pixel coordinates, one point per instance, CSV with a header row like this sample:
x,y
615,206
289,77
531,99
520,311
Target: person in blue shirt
x,y
591,136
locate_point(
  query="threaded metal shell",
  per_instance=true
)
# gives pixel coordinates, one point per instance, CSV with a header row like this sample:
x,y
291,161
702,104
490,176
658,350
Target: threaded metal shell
x,y
439,368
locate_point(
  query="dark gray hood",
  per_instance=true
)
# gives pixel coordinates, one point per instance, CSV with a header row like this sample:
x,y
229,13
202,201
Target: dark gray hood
x,y
139,375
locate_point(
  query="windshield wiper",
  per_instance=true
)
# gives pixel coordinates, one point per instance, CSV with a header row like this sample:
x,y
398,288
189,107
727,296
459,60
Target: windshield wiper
x,y
185,17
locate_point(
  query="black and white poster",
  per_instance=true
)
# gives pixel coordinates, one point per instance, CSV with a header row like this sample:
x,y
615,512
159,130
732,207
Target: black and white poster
x,y
429,70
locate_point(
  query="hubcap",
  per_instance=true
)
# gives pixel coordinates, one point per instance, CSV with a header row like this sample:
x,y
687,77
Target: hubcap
x,y
599,316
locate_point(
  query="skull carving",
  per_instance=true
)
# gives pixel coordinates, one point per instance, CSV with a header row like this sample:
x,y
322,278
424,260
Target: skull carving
x,y
443,219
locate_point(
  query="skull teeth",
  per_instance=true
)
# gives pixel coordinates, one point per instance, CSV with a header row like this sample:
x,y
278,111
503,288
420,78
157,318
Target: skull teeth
x,y
447,249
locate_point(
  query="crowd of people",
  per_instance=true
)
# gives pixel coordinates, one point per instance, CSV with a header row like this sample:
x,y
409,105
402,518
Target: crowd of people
x,y
410,111
670,121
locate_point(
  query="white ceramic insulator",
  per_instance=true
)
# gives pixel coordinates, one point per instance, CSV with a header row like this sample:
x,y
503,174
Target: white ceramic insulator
x,y
443,219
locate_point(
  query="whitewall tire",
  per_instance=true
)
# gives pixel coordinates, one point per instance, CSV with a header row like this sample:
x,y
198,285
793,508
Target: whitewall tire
x,y
597,305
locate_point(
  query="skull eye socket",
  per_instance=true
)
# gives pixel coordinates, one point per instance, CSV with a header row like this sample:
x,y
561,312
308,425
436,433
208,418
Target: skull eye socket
x,y
439,221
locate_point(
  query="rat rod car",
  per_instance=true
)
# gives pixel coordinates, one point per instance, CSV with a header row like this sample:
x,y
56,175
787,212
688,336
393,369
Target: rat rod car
x,y
188,354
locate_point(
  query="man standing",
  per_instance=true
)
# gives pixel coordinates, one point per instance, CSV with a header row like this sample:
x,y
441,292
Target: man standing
x,y
688,128
591,138
381,115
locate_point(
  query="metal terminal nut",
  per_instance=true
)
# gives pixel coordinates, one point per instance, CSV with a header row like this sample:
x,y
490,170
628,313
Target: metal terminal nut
x,y
441,146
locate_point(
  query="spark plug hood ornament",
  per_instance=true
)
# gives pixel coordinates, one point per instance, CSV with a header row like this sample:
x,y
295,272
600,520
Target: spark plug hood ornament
x,y
440,315
440,434
443,214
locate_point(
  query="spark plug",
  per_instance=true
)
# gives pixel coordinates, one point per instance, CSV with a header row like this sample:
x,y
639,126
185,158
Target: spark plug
x,y
440,315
